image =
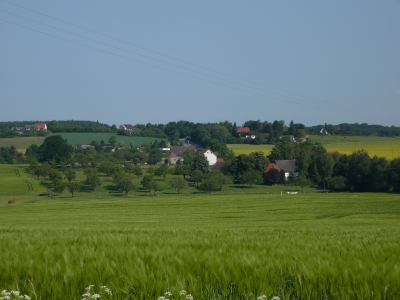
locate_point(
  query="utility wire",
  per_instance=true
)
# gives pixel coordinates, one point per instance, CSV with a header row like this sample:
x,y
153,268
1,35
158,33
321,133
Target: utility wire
x,y
318,101
176,72
174,65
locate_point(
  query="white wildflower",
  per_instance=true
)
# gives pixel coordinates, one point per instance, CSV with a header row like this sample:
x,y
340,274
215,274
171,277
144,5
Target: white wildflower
x,y
262,297
189,297
161,298
168,294
275,298
182,293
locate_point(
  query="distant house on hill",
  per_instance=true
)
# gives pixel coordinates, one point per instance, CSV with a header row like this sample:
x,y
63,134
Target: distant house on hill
x,y
129,127
287,137
242,130
38,126
41,126
19,130
323,131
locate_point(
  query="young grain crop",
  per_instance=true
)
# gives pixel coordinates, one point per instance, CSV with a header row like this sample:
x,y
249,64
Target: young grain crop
x,y
217,247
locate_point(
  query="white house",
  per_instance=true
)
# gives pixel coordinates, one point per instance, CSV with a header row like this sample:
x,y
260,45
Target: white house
x,y
211,156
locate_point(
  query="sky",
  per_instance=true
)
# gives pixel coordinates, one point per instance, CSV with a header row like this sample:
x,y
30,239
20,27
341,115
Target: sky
x,y
138,62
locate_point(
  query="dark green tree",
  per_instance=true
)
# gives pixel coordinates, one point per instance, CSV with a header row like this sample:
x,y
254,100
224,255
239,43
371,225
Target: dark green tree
x,y
112,141
55,147
197,176
163,171
181,169
178,183
58,187
394,174
73,187
137,170
92,179
200,163
252,177
124,183
219,178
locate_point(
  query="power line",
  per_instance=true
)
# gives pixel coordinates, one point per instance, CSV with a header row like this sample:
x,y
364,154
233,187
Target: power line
x,y
316,103
200,66
180,73
174,65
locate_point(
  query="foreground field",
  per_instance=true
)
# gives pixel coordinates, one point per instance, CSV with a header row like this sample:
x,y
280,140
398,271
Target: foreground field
x,y
305,246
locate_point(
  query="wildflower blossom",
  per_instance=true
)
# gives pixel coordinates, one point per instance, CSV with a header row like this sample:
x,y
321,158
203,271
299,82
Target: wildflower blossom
x,y
262,297
6,295
105,291
275,298
189,297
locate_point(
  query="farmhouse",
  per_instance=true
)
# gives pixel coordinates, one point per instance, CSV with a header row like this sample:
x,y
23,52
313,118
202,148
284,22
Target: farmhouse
x,y
176,153
218,165
211,156
280,170
41,126
129,127
241,130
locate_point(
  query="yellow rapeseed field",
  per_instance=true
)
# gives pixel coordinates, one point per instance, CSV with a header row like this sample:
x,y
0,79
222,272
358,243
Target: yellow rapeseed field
x,y
388,147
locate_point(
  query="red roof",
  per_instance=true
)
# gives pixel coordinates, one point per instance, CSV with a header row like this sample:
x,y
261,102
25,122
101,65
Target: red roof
x,y
243,130
271,166
41,126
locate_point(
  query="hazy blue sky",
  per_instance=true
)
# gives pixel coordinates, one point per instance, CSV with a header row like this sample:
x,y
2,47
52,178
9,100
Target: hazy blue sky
x,y
205,61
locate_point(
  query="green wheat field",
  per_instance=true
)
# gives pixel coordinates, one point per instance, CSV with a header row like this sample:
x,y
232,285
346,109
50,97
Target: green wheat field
x,y
215,246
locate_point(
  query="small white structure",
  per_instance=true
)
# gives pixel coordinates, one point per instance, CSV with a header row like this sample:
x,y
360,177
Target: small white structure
x,y
211,157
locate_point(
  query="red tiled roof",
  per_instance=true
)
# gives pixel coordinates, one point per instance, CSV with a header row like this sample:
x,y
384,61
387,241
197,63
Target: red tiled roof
x,y
243,130
40,126
271,166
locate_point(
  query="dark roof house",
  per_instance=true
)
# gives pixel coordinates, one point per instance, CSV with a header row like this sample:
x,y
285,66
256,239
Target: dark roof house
x,y
176,153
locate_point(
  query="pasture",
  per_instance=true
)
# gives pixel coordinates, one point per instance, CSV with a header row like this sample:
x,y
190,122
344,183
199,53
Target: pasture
x,y
75,138
21,142
247,148
215,246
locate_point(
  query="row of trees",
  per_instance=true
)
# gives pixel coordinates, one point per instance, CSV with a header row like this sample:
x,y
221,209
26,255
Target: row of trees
x,y
10,155
358,171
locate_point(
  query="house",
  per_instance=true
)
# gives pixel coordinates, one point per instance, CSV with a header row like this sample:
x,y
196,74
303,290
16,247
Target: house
x,y
176,153
281,170
29,127
211,156
41,126
323,131
129,127
218,165
19,130
241,130
287,137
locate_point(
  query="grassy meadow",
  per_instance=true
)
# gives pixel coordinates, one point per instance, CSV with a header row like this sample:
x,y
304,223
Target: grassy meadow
x,y
75,138
247,148
21,142
225,245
